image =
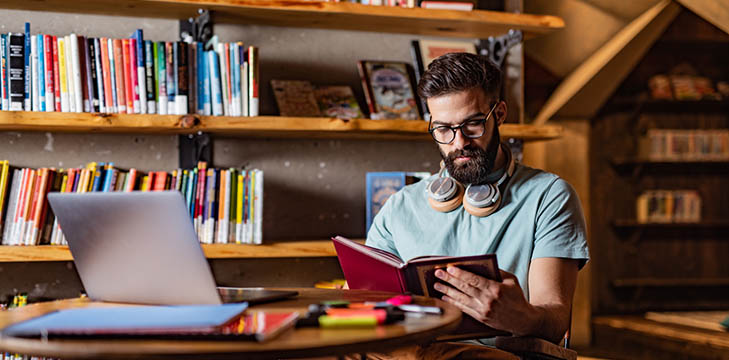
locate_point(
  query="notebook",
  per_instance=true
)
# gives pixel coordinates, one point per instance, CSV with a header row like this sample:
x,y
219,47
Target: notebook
x,y
190,322
141,247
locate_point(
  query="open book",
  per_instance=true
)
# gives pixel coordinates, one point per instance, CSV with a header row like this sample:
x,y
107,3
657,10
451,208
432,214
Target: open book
x,y
369,268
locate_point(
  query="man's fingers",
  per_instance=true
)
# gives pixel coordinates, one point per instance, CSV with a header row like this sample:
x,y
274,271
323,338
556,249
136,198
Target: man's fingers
x,y
454,293
466,284
465,308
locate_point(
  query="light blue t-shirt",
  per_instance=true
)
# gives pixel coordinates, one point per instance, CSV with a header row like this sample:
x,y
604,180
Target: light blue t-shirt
x,y
540,216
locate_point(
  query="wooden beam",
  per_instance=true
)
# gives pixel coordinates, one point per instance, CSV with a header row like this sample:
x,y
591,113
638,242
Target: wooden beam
x,y
588,87
315,14
713,11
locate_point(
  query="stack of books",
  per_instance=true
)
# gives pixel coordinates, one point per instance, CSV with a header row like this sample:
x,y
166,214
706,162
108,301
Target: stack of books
x,y
225,205
74,73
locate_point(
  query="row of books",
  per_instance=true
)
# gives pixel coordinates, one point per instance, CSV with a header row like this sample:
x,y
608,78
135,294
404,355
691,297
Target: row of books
x,y
687,87
428,4
226,205
668,206
673,144
74,73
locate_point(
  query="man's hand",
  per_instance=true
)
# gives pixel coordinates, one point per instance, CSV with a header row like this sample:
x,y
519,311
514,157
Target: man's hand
x,y
500,305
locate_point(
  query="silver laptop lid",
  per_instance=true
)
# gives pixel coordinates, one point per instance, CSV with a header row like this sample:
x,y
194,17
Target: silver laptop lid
x,y
135,247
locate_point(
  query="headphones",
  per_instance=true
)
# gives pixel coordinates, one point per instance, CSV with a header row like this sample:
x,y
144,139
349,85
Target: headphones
x,y
445,194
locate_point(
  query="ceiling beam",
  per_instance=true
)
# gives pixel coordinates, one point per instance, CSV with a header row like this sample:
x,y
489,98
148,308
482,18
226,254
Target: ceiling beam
x,y
587,88
713,11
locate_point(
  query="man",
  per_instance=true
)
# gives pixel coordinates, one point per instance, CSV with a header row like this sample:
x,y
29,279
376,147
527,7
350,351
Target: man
x,y
537,232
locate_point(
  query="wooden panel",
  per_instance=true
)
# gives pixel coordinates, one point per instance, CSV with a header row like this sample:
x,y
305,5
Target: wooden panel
x,y
709,320
289,249
260,126
621,53
315,14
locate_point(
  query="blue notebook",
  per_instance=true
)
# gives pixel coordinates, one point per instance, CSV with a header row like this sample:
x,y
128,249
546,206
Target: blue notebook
x,y
185,320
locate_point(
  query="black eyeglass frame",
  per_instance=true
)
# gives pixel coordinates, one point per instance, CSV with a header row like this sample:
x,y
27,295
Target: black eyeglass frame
x,y
453,129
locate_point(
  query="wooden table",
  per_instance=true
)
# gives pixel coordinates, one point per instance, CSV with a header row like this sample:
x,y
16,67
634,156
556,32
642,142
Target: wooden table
x,y
300,342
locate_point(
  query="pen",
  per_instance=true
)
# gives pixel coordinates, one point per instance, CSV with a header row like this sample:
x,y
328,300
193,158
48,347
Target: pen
x,y
421,309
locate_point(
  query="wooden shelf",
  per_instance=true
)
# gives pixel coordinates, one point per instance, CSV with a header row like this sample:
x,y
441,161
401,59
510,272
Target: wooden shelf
x,y
259,126
671,282
291,249
315,14
633,224
666,106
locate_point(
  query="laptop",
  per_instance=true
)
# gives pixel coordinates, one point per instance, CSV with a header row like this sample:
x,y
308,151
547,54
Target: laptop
x,y
141,247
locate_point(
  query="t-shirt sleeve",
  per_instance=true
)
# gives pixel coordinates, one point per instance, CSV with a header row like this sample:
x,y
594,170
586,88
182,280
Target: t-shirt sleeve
x,y
379,235
560,225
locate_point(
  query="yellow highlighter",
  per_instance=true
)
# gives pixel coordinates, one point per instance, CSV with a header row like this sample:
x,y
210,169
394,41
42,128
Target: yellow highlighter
x,y
326,321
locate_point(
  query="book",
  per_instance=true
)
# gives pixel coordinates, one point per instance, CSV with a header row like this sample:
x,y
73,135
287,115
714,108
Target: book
x,y
430,50
295,98
370,268
133,320
391,90
16,71
337,101
381,185
447,5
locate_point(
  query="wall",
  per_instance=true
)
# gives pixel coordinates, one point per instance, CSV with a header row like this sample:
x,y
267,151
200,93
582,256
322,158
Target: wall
x,y
314,188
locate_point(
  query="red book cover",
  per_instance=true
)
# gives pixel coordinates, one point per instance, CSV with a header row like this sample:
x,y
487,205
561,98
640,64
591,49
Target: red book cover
x,y
48,59
370,268
200,193
133,74
56,75
119,71
128,85
28,202
83,47
228,76
160,181
106,71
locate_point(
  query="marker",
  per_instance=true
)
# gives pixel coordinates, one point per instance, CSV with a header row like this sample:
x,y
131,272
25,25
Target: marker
x,y
421,309
327,321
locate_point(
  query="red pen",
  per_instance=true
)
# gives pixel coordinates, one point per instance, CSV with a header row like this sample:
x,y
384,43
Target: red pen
x,y
400,300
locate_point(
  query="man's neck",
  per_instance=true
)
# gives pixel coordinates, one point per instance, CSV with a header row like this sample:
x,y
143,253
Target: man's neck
x,y
500,161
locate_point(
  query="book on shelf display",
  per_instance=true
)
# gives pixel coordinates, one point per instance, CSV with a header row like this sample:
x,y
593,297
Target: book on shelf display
x,y
225,203
389,90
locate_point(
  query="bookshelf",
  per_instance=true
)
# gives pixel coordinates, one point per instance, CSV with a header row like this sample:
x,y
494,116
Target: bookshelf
x,y
259,126
289,249
317,14
649,266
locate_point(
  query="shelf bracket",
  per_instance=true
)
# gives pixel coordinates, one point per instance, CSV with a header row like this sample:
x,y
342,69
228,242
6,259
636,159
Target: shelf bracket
x,y
193,148
496,47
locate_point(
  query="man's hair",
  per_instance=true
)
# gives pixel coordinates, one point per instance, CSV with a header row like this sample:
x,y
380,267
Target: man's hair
x,y
457,72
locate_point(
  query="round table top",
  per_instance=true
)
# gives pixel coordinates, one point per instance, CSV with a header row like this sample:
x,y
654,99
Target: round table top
x,y
296,342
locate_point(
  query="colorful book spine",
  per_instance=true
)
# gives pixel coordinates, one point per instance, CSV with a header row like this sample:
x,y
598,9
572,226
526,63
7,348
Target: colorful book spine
x,y
161,66
56,76
181,78
171,68
16,72
41,74
76,67
120,74
134,76
4,72
215,91
149,78
49,73
141,70
34,100
253,76
26,69
65,104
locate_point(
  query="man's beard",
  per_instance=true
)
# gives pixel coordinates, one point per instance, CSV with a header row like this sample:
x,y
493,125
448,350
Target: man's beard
x,y
476,170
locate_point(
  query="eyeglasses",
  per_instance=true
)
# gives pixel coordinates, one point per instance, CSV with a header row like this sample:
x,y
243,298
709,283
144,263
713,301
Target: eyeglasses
x,y
472,129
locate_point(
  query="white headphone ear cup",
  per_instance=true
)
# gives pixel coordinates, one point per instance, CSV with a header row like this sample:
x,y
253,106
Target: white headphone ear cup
x,y
483,211
451,204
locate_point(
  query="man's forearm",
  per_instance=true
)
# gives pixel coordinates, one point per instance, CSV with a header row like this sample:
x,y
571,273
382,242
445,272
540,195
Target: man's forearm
x,y
549,322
